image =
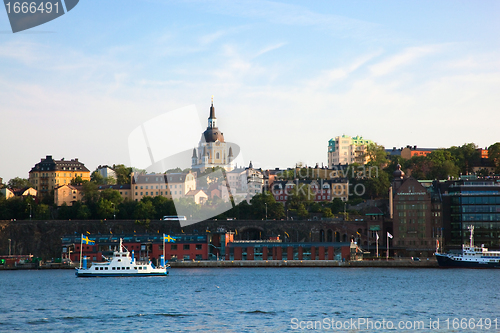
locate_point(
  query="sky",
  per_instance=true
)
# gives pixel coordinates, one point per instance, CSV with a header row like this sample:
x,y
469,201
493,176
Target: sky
x,y
286,76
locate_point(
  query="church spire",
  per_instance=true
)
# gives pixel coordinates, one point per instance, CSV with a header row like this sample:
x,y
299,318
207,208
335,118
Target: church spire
x,y
212,123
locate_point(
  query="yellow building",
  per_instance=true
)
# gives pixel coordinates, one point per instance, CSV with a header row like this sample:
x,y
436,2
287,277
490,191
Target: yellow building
x,y
8,193
172,185
49,174
68,194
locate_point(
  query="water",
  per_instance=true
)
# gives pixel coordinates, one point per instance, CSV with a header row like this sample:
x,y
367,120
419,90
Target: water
x,y
247,299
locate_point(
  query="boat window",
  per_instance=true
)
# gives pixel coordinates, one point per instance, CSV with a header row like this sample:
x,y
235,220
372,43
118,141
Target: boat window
x,y
119,260
128,267
135,267
140,267
96,268
114,268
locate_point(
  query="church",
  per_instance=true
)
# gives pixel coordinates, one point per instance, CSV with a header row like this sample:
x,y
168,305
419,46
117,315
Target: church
x,y
212,149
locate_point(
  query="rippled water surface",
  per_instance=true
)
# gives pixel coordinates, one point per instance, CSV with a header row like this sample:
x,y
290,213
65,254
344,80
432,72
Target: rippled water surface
x,y
245,299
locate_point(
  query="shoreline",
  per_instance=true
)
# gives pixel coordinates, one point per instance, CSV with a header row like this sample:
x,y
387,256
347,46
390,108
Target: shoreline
x,y
400,263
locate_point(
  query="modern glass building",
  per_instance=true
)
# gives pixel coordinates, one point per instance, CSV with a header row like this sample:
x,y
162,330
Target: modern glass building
x,y
472,202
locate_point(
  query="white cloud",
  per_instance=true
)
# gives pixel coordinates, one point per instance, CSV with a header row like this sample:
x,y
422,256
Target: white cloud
x,y
406,57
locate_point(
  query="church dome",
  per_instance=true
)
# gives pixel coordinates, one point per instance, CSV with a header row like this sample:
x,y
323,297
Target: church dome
x,y
213,134
398,173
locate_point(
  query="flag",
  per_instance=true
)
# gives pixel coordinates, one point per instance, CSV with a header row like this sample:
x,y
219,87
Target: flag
x,y
86,240
88,233
389,235
286,233
169,239
377,235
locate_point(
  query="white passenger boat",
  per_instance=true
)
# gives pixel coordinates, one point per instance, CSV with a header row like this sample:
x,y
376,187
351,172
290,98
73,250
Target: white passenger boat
x,y
471,256
122,263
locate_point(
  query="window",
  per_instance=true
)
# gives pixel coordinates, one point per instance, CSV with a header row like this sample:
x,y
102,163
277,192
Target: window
x,y
198,246
185,247
173,247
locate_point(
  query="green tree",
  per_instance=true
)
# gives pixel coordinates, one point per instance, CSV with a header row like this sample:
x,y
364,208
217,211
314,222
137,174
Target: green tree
x,y
163,207
377,155
144,209
18,182
90,192
105,209
122,173
77,181
42,212
259,202
465,156
494,155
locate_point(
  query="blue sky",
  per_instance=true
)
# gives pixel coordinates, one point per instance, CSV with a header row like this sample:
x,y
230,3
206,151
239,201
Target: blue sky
x,y
286,76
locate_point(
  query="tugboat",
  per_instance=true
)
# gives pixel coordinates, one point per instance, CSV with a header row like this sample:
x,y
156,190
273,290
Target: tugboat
x,y
122,264
471,256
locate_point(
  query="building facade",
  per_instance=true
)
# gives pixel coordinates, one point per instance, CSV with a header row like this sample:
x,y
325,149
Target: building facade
x,y
413,228
172,185
347,150
314,190
49,174
410,151
471,202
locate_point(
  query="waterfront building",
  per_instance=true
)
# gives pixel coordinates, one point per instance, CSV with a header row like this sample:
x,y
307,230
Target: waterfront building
x,y
212,149
347,150
275,249
171,185
471,201
411,209
49,174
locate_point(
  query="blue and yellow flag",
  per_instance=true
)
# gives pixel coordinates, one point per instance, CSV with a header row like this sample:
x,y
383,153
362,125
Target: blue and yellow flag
x,y
86,240
169,239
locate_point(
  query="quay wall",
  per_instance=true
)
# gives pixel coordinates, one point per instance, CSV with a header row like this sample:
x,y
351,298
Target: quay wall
x,y
403,263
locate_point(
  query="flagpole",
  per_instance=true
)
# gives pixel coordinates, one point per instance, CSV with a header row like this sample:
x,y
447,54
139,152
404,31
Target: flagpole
x,y
81,248
164,250
377,243
387,254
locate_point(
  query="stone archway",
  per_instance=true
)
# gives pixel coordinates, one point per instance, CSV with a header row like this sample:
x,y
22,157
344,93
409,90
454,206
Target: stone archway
x,y
329,236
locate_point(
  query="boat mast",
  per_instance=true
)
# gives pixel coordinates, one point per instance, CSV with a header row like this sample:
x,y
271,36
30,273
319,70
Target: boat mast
x,y
164,251
471,228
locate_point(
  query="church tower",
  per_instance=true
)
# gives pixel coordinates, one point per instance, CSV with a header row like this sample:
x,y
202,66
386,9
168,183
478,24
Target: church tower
x,y
212,149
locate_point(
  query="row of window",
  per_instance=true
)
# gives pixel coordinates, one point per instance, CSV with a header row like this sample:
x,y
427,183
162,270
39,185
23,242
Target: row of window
x,y
119,268
161,187
161,193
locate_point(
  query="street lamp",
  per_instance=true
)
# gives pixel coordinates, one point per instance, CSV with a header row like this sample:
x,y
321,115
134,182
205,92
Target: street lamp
x,y
29,204
10,240
114,211
265,203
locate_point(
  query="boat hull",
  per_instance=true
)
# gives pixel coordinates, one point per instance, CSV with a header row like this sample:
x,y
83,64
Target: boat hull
x,y
446,261
88,273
